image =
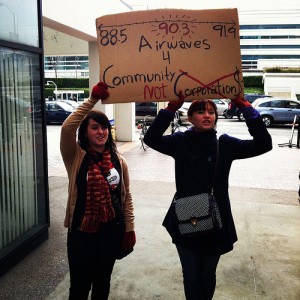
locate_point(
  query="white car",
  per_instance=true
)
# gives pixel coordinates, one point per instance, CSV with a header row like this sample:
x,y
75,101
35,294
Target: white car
x,y
74,104
222,106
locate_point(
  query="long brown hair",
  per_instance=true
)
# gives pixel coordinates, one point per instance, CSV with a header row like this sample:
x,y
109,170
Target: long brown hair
x,y
101,118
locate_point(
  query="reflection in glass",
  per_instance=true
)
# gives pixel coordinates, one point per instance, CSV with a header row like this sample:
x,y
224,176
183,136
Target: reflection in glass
x,y
19,21
20,137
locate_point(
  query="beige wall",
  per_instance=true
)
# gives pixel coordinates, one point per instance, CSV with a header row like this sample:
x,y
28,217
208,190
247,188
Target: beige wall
x,y
282,84
58,43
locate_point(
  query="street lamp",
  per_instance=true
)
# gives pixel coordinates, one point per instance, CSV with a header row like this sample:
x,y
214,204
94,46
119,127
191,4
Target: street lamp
x,y
131,7
55,91
126,4
14,17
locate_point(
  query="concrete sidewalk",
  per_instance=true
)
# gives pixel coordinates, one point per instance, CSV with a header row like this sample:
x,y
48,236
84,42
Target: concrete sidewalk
x,y
265,263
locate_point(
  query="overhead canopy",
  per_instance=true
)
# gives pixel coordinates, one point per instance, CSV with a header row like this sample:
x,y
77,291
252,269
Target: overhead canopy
x,y
77,17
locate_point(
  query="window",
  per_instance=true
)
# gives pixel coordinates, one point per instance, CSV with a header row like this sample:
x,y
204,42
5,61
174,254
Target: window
x,y
266,104
268,37
22,190
292,104
19,22
270,46
66,66
277,104
270,26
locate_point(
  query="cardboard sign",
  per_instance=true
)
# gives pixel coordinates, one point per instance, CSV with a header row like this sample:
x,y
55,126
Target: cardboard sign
x,y
149,56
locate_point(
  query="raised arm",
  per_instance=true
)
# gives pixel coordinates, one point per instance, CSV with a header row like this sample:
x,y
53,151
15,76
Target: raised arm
x,y
68,136
155,137
262,141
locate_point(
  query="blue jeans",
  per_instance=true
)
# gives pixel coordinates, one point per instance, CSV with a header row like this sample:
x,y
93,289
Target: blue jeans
x,y
199,274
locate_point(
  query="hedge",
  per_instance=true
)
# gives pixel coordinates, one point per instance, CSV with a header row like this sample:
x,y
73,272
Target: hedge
x,y
67,84
253,81
70,83
282,70
83,84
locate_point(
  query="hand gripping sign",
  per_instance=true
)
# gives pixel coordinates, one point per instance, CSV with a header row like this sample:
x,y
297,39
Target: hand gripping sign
x,y
149,56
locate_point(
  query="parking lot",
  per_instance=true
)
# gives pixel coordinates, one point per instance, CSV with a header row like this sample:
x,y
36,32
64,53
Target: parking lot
x,y
260,172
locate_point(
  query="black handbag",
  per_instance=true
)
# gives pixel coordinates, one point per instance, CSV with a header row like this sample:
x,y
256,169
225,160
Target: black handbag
x,y
198,214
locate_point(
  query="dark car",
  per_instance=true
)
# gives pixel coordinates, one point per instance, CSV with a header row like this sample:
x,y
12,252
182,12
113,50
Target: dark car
x,y
231,112
57,111
143,109
277,110
20,108
299,187
234,111
252,97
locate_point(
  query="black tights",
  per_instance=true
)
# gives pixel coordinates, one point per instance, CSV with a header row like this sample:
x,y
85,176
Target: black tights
x,y
89,267
199,274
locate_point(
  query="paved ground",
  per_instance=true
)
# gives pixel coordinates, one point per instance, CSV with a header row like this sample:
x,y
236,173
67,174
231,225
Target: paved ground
x,y
265,263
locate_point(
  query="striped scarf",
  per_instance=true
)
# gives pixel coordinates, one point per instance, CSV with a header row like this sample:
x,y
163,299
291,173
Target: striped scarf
x,y
98,207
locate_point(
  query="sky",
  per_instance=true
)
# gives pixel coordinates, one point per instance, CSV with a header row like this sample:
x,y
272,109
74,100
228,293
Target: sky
x,y
210,4
82,14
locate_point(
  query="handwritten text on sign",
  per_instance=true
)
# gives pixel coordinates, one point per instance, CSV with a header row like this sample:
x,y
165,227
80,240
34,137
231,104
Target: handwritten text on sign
x,y
152,55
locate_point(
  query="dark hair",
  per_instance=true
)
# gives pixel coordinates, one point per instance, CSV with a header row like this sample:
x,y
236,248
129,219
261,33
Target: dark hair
x,y
101,119
202,105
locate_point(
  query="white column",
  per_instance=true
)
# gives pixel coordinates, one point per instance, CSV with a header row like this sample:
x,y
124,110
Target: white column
x,y
125,122
94,68
123,114
94,74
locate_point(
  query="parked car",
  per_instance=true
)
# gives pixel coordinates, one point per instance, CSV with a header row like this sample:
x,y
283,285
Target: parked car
x,y
222,106
57,111
234,111
73,103
252,97
277,110
143,109
182,112
231,112
299,185
20,108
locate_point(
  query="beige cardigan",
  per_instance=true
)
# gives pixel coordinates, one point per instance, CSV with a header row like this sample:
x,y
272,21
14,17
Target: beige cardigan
x,y
73,155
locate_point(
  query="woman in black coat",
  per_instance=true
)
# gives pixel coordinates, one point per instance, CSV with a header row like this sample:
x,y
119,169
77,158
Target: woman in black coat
x,y
194,152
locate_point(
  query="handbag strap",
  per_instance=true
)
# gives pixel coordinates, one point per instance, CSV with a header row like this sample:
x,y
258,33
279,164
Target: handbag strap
x,y
113,192
215,168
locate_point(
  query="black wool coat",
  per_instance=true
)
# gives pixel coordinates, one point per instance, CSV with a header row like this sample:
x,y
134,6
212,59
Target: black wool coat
x,y
195,155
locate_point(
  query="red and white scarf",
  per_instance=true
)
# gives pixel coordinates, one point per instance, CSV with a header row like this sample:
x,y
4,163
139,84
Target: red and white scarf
x,y
98,206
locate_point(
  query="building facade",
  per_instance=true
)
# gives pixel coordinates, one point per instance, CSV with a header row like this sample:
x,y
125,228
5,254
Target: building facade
x,y
67,66
270,38
24,207
65,56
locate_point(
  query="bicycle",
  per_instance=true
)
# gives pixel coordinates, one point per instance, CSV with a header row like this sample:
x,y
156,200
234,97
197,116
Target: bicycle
x,y
143,126
177,124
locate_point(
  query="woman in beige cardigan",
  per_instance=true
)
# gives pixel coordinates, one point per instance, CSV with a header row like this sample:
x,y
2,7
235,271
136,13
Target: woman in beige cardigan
x,y
98,196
